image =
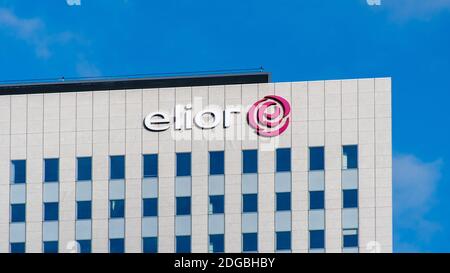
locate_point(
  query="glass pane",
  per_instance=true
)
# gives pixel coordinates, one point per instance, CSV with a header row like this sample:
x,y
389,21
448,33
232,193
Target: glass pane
x,y
17,213
350,157
250,242
183,205
351,240
85,246
216,243
51,170
216,204
117,167
250,161
150,207
18,171
51,211
84,210
316,200
284,160
283,201
117,208
216,163
150,245
151,165
84,169
116,245
350,198
183,164
17,248
316,158
316,239
50,247
183,244
284,240
250,203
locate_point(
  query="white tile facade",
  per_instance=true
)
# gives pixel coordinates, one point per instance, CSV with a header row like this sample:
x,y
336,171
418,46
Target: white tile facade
x,y
98,124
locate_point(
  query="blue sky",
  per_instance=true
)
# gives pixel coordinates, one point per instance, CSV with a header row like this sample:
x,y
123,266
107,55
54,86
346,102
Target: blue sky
x,y
295,40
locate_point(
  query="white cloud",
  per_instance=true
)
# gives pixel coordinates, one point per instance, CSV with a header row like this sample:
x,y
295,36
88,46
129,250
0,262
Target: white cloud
x,y
73,2
416,9
86,69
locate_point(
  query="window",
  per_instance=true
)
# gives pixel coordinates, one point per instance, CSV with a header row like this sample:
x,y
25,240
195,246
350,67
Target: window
x,y
283,201
183,244
84,210
249,242
17,248
116,246
17,213
284,240
51,170
250,161
183,205
284,160
85,246
51,211
150,245
316,200
316,159
18,171
350,198
84,169
216,204
316,239
350,157
150,207
250,203
216,163
117,167
51,247
117,208
150,165
351,240
216,243
183,164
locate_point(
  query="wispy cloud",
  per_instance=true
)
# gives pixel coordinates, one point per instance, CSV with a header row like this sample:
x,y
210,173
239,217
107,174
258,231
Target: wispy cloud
x,y
86,69
73,2
416,9
415,184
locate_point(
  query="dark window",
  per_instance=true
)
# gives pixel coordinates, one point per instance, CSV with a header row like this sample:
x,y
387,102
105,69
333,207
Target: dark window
x,y
117,208
51,170
351,240
150,245
117,167
183,205
17,248
183,244
116,246
283,201
151,165
183,164
316,158
84,210
150,207
250,161
350,157
216,204
250,203
316,200
316,239
84,169
17,213
216,162
350,198
217,244
284,240
51,211
85,246
284,160
250,242
51,247
18,171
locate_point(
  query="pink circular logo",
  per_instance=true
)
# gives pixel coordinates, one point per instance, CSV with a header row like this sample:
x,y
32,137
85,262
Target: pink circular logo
x,y
269,116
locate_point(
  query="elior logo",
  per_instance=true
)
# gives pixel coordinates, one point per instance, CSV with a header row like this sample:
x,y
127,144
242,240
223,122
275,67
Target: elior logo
x,y
269,116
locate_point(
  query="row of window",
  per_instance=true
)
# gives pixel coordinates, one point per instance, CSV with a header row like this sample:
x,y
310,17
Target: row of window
x,y
183,164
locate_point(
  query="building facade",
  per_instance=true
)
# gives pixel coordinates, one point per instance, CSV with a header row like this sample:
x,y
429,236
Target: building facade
x,y
228,163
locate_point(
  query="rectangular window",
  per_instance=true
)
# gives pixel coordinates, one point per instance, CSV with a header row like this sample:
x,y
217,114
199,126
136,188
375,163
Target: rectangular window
x,y
216,204
84,246
150,165
17,248
116,246
316,158
51,247
284,240
350,157
216,162
51,211
317,239
183,164
150,207
184,205
284,160
183,244
250,161
351,240
117,208
250,203
84,169
117,167
84,210
17,213
216,243
350,198
150,245
283,201
18,171
316,200
250,242
51,170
